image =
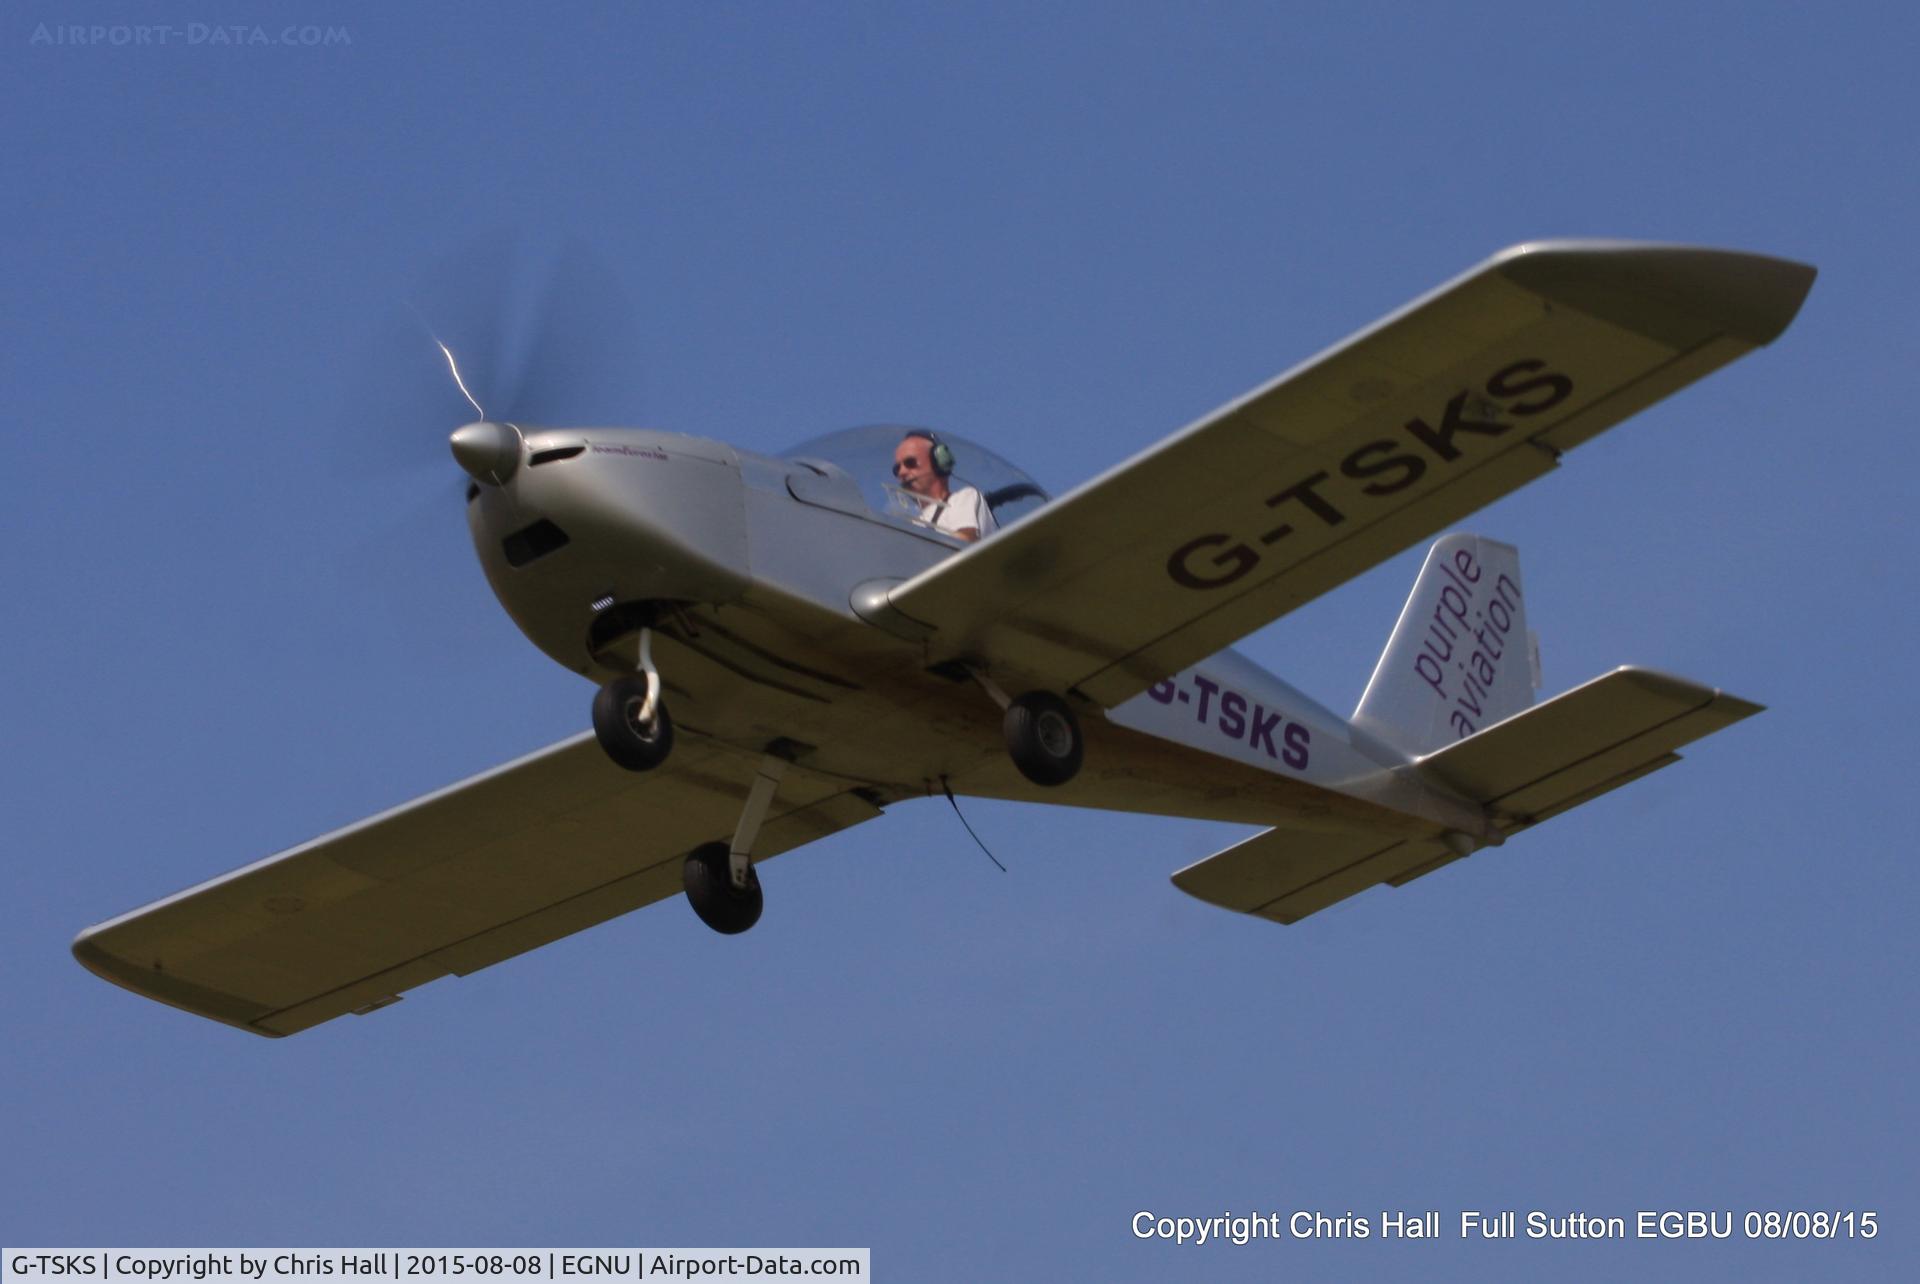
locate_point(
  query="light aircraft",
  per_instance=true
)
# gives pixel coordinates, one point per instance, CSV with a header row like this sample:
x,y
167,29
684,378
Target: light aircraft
x,y
785,646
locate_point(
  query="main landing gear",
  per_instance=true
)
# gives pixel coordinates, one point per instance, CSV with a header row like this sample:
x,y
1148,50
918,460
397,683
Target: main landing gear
x,y
719,878
1043,736
631,723
727,909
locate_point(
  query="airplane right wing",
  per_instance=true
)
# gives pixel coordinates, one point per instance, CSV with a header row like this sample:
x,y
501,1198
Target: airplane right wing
x,y
1457,399
450,883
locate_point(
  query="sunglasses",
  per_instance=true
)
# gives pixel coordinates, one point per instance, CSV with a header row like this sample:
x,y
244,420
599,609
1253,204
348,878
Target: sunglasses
x,y
910,461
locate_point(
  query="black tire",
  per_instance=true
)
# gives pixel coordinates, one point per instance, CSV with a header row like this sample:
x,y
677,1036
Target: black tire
x,y
617,726
1043,737
710,890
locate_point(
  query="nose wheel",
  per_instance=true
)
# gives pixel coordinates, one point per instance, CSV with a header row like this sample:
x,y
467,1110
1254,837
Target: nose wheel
x,y
631,722
630,719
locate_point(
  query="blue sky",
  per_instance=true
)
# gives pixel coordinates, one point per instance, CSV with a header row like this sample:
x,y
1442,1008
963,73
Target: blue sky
x,y
243,610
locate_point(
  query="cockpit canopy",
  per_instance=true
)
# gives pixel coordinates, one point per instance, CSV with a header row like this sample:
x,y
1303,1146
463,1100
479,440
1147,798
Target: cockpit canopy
x,y
865,455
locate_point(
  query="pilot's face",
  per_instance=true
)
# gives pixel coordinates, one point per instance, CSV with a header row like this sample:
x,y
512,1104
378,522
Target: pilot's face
x,y
913,467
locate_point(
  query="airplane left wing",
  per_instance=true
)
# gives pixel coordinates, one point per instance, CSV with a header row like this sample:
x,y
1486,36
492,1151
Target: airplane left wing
x,y
1460,397
448,884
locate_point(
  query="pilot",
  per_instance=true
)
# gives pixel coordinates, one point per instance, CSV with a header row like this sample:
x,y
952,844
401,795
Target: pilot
x,y
923,464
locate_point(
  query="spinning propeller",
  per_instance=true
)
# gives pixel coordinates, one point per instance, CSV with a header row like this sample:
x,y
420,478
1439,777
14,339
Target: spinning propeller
x,y
494,335
520,337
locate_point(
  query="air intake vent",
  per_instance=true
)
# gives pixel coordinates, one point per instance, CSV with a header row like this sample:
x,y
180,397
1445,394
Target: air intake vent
x,y
554,455
533,543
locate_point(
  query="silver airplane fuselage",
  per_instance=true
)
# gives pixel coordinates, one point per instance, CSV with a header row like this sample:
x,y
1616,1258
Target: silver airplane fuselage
x,y
763,582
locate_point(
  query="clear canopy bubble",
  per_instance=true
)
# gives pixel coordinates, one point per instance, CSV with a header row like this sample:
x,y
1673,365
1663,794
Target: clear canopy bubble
x,y
865,455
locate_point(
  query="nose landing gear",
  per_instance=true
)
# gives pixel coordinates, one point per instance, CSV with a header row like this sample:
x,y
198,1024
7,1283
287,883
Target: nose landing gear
x,y
634,736
630,719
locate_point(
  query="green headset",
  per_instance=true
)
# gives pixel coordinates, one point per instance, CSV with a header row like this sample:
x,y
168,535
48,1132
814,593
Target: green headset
x,y
940,455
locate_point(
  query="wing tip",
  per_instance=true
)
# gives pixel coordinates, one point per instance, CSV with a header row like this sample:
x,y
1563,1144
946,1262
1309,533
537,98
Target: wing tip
x,y
1729,707
1753,297
156,984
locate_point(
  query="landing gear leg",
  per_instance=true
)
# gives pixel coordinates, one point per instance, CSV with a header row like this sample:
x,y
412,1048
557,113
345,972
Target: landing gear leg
x,y
629,717
720,880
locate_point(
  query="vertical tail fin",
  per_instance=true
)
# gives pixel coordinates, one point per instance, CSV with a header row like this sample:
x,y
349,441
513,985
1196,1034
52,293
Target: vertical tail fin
x,y
1460,659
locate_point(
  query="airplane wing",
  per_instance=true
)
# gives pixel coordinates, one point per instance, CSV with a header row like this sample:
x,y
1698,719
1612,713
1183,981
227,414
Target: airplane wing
x,y
449,883
1377,443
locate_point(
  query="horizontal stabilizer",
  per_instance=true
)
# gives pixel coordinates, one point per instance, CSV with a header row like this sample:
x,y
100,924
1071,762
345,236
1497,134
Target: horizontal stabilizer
x,y
1287,874
1535,765
1577,746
